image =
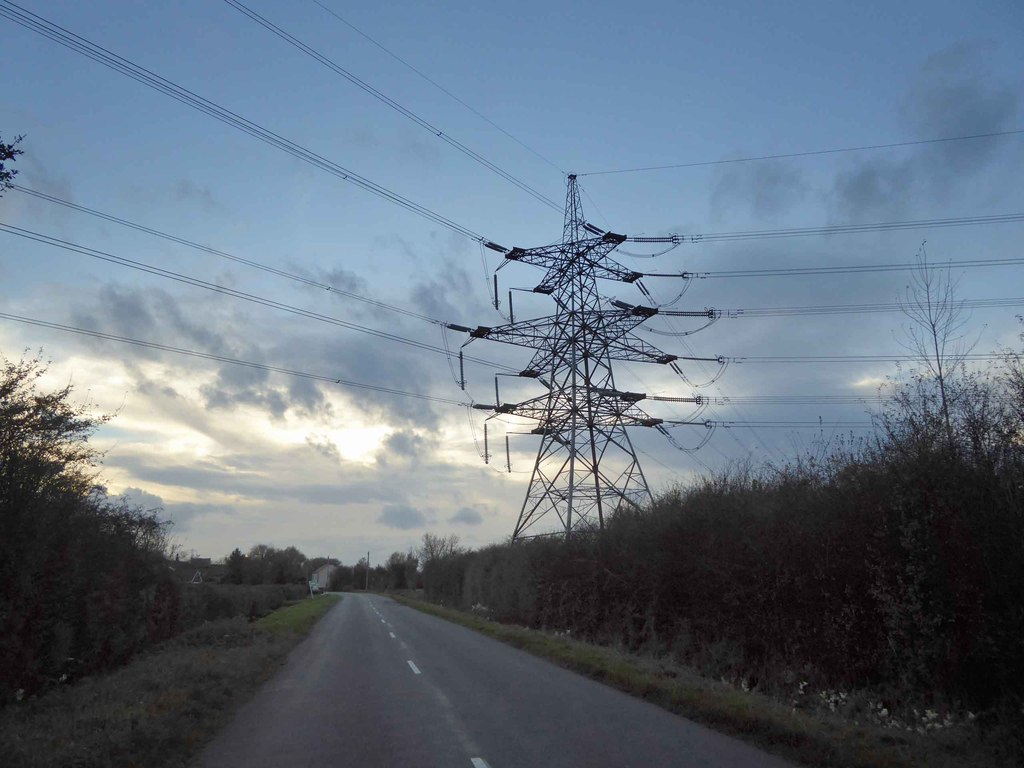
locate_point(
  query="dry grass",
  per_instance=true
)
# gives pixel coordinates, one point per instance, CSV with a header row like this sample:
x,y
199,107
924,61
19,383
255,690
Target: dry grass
x,y
159,710
806,738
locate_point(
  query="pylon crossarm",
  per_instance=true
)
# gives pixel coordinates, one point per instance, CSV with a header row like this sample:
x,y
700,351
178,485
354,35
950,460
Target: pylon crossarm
x,y
639,309
548,418
531,333
605,333
560,273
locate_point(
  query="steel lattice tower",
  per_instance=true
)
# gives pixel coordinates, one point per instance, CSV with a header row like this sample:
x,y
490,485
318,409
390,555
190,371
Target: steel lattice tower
x,y
586,464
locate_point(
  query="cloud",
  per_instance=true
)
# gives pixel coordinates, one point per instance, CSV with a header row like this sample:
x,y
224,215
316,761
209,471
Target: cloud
x,y
341,279
191,321
766,187
178,514
182,514
187,191
141,498
443,294
180,191
150,314
123,310
338,277
420,153
402,517
955,95
226,395
466,516
324,446
952,94
873,187
408,445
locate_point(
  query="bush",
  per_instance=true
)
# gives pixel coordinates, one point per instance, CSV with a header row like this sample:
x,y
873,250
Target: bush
x,y
210,602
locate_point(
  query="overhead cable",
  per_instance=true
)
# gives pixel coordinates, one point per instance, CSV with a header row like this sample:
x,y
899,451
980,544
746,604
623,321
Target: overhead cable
x,y
849,309
224,359
231,257
713,423
795,424
437,85
119,64
849,269
402,110
865,148
224,290
974,357
837,400
835,229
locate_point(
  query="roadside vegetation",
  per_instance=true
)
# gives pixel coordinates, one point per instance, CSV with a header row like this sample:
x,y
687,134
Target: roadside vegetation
x,y
82,581
109,655
160,709
86,579
877,581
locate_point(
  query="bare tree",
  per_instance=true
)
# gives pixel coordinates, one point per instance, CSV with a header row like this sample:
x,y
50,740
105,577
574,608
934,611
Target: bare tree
x,y
438,548
935,334
1013,377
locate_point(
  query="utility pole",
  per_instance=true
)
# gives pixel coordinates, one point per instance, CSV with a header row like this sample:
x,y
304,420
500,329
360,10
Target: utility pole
x,y
586,465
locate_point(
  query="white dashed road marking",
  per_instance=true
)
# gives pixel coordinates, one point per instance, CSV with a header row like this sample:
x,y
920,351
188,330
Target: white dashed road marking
x,y
413,667
479,762
392,635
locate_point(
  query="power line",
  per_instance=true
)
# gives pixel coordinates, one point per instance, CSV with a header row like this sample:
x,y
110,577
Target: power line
x,y
791,424
769,449
767,400
404,111
849,309
836,229
214,287
808,154
224,359
975,357
825,400
849,269
440,87
231,257
119,64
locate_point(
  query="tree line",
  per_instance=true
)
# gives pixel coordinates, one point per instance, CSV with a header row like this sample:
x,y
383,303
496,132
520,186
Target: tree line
x,y
266,564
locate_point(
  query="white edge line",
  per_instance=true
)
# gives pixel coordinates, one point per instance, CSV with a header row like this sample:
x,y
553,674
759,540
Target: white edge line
x,y
413,667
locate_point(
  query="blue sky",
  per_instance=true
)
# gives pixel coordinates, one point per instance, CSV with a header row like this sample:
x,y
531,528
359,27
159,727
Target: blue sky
x,y
237,457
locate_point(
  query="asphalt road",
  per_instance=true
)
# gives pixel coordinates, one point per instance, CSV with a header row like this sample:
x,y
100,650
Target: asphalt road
x,y
380,684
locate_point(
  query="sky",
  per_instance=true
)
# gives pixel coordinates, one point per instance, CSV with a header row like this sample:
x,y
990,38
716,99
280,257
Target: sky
x,y
237,455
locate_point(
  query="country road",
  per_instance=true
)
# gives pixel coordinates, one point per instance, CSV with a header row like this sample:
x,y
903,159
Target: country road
x,y
380,684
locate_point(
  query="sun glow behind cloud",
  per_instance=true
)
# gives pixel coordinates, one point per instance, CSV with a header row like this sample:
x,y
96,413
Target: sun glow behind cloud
x,y
870,382
357,443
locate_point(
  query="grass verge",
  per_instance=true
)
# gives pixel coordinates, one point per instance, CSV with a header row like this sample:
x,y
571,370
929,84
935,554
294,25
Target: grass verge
x,y
298,617
805,738
160,709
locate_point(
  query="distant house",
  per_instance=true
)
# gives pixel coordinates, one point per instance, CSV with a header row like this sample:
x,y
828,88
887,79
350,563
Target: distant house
x,y
320,580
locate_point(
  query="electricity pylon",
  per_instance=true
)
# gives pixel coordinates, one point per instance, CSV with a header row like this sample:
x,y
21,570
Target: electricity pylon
x,y
586,464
